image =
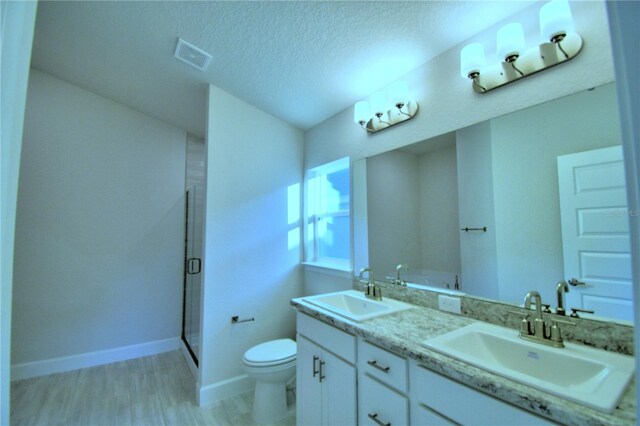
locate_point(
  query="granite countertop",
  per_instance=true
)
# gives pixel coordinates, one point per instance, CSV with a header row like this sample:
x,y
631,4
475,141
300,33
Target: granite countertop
x,y
403,332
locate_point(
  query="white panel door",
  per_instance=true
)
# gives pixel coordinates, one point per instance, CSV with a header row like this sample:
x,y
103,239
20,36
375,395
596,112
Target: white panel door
x,y
595,232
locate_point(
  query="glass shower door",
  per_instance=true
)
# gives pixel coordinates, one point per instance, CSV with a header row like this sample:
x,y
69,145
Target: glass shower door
x,y
193,270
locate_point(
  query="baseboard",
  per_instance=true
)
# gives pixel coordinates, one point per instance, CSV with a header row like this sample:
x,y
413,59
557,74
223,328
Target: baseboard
x,y
189,360
224,389
91,359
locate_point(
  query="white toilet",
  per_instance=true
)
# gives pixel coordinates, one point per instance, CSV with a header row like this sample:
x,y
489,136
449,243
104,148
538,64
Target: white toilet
x,y
273,365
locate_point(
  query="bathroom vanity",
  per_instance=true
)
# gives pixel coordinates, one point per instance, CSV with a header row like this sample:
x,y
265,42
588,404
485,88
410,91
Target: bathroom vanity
x,y
379,372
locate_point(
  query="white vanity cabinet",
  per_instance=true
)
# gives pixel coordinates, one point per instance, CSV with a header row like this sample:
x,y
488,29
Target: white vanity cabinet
x,y
326,374
437,400
382,386
344,380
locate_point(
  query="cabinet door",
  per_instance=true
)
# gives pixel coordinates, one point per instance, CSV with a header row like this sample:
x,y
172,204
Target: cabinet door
x,y
381,405
308,386
338,391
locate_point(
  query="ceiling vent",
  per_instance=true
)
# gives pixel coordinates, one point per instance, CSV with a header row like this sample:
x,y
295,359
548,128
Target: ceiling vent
x,y
191,55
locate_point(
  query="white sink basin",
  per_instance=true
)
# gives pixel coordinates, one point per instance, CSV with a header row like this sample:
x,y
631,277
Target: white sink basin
x,y
355,306
592,377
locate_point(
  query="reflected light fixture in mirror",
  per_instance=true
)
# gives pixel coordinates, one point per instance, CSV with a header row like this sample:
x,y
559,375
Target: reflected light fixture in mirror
x,y
386,108
559,44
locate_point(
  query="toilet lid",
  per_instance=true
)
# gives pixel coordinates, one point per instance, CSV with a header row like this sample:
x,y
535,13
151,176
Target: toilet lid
x,y
268,352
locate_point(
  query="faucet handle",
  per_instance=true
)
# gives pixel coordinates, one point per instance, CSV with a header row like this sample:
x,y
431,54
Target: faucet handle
x,y
547,308
555,334
377,292
525,324
574,312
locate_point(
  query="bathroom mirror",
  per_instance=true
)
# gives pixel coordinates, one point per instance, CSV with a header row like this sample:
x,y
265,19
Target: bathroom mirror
x,y
480,208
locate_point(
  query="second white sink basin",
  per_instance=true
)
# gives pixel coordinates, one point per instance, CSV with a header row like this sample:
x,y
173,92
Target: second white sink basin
x,y
592,377
355,306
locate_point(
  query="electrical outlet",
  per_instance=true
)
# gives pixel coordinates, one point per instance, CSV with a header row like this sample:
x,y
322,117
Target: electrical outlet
x,y
449,304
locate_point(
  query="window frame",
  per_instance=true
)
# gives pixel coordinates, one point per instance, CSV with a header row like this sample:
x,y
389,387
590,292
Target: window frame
x,y
313,217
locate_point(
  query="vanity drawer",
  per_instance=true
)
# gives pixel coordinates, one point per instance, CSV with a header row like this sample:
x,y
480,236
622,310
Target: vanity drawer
x,y
386,366
423,415
335,340
379,405
446,397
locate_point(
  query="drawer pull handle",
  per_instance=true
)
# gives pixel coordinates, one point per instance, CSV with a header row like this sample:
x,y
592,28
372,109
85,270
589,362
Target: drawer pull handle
x,y
315,359
374,417
374,364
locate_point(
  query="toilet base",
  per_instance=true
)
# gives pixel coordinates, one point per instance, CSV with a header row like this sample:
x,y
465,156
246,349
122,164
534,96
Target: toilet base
x,y
269,402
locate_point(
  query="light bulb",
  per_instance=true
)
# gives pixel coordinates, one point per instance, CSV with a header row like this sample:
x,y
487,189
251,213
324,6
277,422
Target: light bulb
x,y
555,20
379,103
399,93
361,112
472,60
510,42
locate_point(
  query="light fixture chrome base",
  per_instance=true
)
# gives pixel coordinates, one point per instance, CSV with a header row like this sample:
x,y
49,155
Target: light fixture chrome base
x,y
534,60
392,117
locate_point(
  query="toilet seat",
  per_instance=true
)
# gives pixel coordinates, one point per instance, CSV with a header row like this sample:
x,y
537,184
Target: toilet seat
x,y
275,352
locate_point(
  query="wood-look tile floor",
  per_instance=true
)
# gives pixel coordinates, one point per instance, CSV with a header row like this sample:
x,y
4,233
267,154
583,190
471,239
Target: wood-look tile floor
x,y
154,390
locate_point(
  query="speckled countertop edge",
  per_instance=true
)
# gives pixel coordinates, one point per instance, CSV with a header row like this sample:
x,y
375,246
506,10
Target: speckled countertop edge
x,y
403,332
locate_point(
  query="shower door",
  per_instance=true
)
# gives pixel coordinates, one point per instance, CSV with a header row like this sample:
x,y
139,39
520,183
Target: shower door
x,y
194,214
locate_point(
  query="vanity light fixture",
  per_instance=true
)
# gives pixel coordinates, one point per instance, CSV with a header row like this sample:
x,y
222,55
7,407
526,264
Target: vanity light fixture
x,y
560,43
386,109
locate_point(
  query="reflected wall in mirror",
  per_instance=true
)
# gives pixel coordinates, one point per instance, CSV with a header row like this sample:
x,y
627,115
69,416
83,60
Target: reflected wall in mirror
x,y
413,212
503,175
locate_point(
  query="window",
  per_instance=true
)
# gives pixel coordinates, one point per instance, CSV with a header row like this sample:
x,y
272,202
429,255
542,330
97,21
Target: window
x,y
328,215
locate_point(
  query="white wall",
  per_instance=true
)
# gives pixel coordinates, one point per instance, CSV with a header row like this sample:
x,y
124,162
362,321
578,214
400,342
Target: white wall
x,y
438,214
17,21
99,232
478,255
447,101
252,238
393,207
525,146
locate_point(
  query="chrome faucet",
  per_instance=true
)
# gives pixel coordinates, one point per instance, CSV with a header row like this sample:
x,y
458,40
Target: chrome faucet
x,y
538,331
371,289
398,281
538,322
561,288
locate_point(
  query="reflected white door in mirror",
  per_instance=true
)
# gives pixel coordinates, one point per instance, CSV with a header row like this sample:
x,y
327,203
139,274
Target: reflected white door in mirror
x,y
595,232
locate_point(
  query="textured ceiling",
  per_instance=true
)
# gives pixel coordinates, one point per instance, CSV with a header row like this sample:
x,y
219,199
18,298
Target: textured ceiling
x,y
300,61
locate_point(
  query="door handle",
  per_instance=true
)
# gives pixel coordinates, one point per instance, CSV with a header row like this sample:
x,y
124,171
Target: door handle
x,y
574,282
194,266
321,372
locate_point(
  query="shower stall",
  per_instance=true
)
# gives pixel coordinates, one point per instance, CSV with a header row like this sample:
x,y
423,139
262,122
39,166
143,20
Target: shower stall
x,y
192,289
